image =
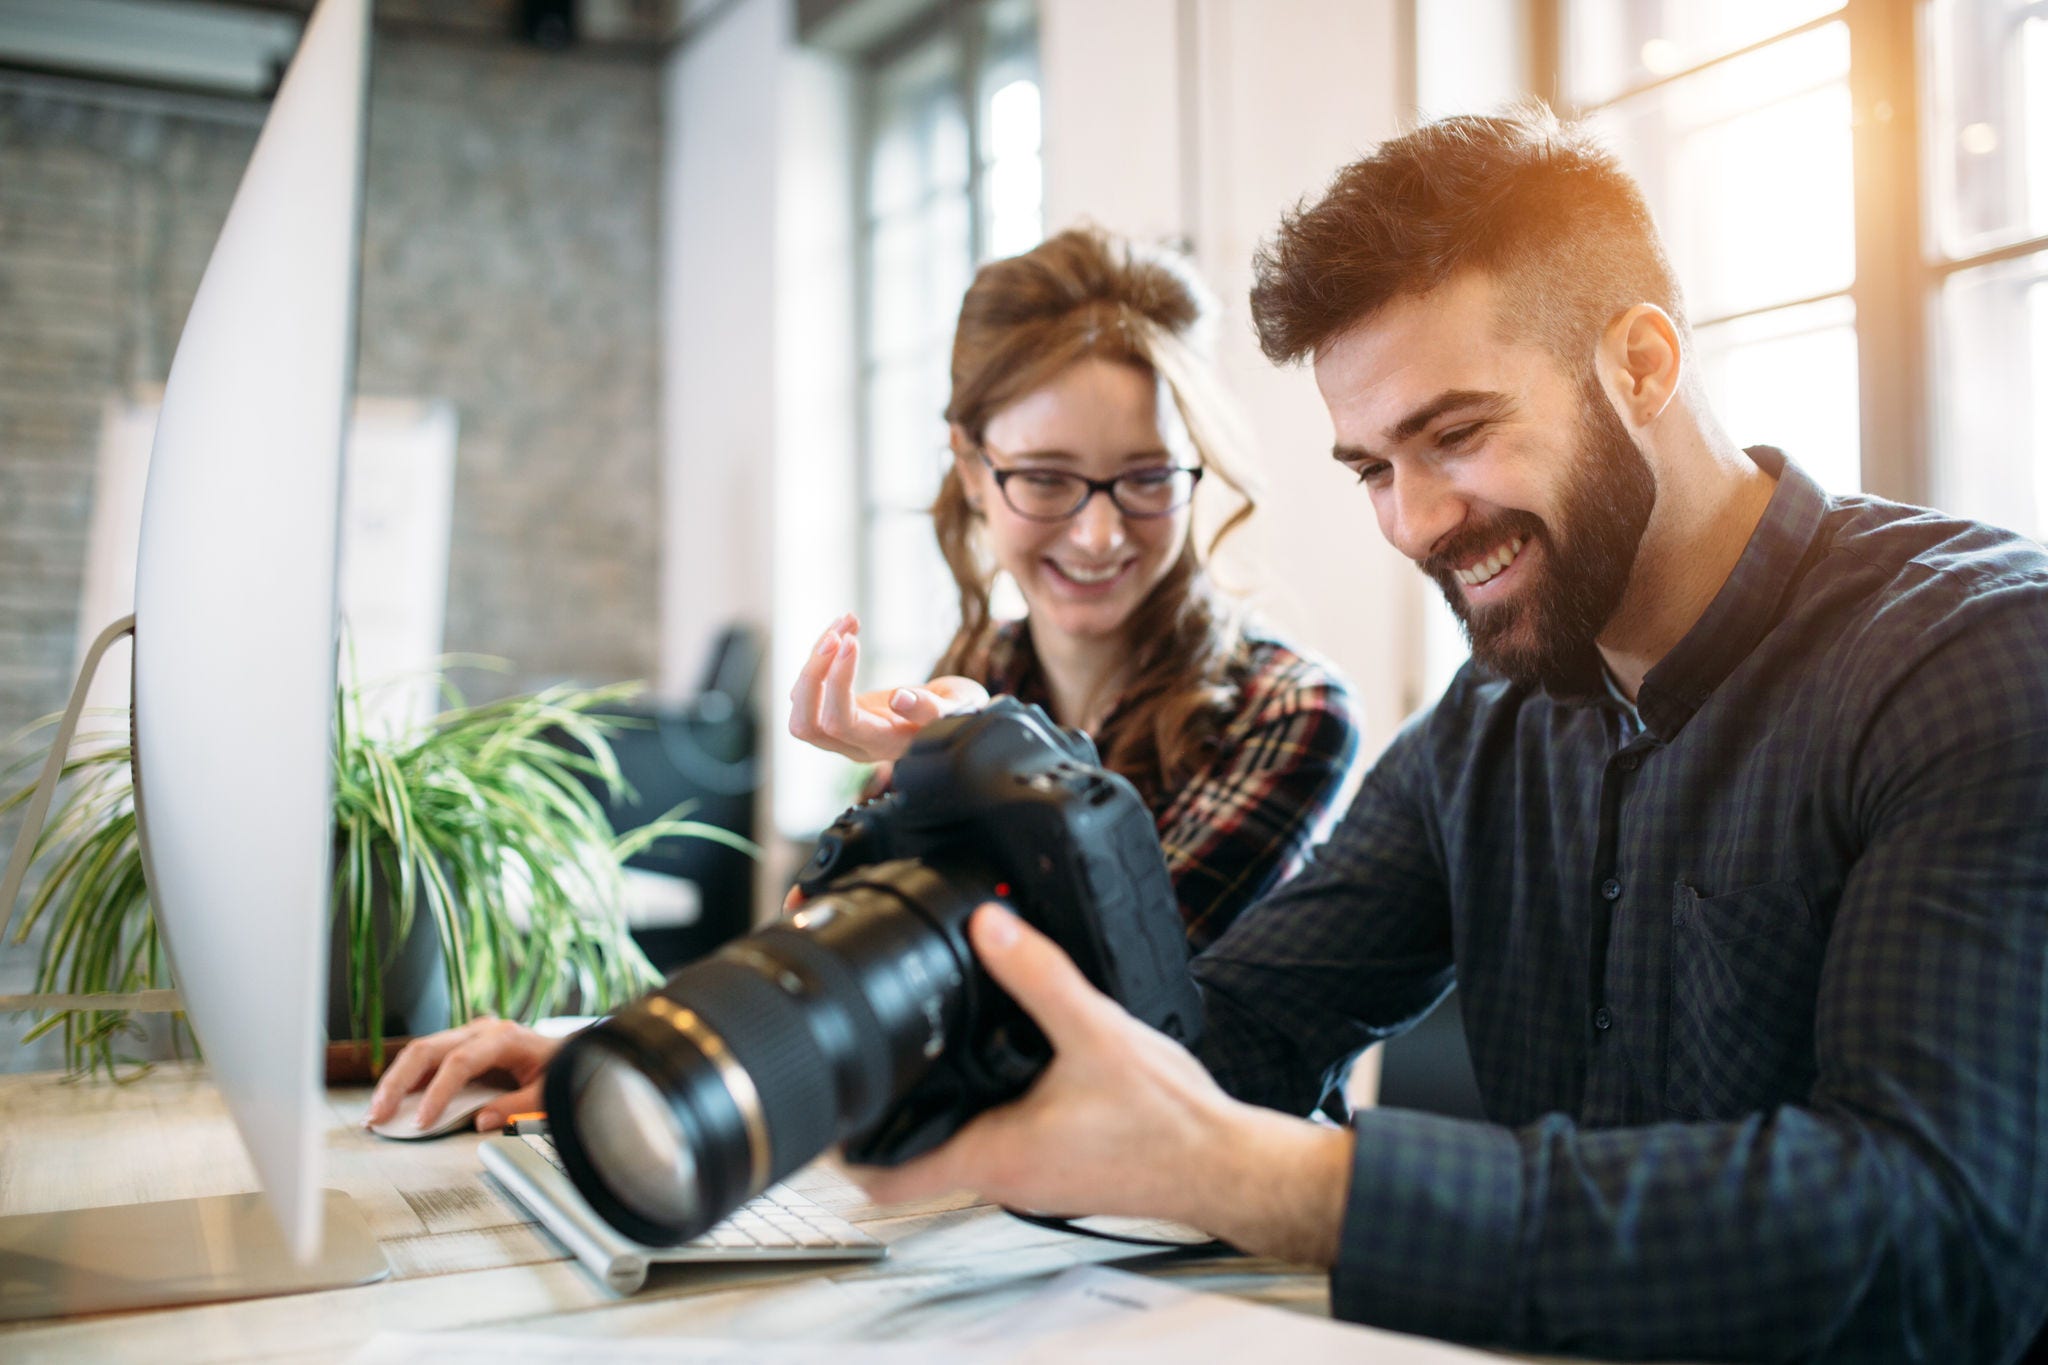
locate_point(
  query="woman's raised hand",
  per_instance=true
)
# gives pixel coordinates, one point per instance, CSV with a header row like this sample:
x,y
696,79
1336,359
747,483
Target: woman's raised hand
x,y
868,727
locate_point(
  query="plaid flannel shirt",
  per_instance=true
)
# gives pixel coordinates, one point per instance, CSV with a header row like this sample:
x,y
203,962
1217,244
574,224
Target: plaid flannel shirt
x,y
1272,788
1755,978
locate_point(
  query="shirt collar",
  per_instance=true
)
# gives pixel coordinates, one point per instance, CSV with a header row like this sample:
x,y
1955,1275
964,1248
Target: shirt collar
x,y
1748,604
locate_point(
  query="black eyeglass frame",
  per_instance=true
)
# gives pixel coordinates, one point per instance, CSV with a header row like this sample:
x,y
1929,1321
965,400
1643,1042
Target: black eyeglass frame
x,y
1091,488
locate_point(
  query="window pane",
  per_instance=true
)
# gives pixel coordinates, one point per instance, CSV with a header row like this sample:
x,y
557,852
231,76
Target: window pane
x,y
1013,120
1016,209
1987,82
1788,379
1748,170
920,137
920,263
1992,461
907,433
911,610
1616,45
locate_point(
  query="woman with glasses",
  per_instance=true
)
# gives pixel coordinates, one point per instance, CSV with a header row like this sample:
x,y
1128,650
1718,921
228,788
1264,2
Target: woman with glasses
x,y
1084,414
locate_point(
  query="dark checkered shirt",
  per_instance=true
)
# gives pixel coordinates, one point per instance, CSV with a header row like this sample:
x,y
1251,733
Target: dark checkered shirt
x,y
1272,788
1756,985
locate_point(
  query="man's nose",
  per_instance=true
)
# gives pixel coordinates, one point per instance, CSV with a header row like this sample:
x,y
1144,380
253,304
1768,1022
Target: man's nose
x,y
1098,527
1418,510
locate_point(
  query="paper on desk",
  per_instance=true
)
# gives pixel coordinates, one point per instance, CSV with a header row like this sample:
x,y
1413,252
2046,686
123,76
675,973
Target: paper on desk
x,y
1087,1314
1110,1315
526,1348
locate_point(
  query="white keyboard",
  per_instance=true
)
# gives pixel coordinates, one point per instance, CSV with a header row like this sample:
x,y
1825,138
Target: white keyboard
x,y
780,1224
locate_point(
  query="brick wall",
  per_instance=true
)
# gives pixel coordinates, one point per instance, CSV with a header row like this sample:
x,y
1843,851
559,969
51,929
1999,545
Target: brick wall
x,y
509,266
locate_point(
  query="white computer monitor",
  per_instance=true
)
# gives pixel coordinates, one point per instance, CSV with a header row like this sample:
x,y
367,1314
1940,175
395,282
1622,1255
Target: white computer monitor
x,y
235,659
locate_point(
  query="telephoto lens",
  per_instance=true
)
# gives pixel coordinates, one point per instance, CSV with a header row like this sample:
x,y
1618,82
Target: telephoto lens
x,y
864,1018
683,1105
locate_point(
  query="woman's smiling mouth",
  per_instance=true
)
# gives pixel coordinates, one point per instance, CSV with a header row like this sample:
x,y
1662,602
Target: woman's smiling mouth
x,y
1089,576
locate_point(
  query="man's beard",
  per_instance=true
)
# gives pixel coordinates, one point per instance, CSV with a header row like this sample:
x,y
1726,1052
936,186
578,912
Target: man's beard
x,y
1546,635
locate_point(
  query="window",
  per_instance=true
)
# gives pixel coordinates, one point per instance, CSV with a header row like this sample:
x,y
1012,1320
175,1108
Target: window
x,y
1984,71
1740,133
1855,196
952,178
1856,199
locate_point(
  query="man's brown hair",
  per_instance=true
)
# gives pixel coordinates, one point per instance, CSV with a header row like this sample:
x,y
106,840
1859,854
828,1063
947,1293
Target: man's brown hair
x,y
1539,205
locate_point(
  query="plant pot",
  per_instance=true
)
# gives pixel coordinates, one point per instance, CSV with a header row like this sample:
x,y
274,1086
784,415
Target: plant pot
x,y
415,984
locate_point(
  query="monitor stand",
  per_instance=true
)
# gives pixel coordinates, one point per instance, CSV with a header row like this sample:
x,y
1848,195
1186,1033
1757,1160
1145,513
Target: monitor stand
x,y
175,1251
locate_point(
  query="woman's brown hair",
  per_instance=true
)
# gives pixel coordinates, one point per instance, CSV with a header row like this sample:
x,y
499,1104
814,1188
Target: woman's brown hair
x,y
1085,294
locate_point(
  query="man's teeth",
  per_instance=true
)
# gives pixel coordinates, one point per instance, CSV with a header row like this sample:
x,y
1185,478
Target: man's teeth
x,y
1486,568
1080,575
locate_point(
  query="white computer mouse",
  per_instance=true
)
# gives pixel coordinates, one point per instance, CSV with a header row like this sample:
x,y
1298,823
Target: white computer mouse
x,y
405,1124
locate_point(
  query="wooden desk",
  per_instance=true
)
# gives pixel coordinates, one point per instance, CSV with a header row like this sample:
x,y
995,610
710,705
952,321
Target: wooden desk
x,y
464,1255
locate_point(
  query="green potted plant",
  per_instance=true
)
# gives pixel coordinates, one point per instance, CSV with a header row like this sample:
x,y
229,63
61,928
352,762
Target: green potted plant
x,y
472,843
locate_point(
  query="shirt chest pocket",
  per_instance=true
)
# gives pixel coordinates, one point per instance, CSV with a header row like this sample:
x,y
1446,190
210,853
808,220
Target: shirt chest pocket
x,y
1744,969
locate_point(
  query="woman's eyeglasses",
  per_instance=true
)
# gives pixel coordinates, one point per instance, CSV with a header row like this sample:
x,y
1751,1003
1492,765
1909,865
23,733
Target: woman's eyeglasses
x,y
1054,494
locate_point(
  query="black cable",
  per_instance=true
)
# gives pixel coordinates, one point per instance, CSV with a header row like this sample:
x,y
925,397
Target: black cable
x,y
1057,1223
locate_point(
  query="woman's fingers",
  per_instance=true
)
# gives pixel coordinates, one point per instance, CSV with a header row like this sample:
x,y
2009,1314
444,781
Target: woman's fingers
x,y
958,693
525,1100
409,1070
444,1062
821,702
836,710
463,1064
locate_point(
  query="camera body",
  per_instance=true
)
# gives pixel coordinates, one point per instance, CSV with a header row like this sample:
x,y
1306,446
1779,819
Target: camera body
x,y
1068,845
864,1018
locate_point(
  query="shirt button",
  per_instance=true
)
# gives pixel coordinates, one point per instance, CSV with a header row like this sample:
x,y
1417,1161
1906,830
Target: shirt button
x,y
1611,889
1602,1020
1628,763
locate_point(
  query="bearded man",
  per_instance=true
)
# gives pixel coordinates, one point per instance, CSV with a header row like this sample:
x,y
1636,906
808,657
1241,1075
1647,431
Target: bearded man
x,y
1731,836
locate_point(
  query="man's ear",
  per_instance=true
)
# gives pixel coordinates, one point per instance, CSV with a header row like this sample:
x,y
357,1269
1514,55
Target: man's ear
x,y
1641,363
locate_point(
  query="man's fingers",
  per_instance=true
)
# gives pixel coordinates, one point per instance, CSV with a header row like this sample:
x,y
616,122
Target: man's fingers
x,y
1041,978
924,1177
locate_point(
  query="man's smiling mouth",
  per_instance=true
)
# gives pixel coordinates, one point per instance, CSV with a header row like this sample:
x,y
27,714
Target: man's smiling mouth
x,y
1490,567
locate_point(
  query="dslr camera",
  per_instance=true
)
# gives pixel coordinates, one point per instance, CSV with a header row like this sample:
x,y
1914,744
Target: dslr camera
x,y
863,1018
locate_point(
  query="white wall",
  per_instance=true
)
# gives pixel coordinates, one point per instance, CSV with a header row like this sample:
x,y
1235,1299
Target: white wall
x,y
758,362
719,114
1225,113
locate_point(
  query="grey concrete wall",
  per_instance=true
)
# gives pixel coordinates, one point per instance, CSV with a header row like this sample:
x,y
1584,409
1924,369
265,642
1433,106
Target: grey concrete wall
x,y
509,266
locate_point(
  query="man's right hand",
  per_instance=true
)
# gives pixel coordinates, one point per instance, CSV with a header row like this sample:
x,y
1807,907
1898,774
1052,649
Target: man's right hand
x,y
445,1062
868,727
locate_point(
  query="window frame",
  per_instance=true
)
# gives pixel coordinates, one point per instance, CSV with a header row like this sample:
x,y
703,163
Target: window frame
x,y
1900,268
979,49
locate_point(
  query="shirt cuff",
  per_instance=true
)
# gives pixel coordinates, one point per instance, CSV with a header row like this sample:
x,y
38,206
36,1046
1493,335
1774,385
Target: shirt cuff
x,y
1431,1236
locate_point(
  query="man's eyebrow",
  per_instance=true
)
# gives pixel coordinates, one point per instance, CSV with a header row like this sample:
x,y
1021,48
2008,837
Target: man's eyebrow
x,y
1450,400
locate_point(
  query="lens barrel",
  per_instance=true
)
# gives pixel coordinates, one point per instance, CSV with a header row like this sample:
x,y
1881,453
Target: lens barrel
x,y
673,1112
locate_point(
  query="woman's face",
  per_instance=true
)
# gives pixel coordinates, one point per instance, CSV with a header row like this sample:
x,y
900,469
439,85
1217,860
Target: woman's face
x,y
1084,576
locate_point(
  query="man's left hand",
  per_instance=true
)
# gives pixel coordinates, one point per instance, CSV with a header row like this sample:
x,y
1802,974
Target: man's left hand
x,y
1125,1121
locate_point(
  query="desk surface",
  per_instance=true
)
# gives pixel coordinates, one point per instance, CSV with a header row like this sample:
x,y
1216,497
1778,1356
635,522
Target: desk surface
x,y
463,1254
